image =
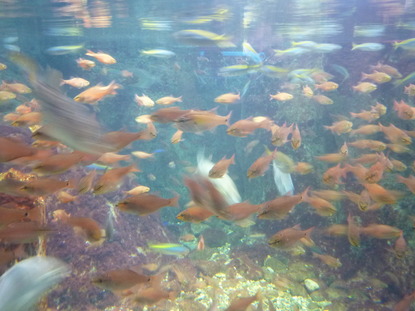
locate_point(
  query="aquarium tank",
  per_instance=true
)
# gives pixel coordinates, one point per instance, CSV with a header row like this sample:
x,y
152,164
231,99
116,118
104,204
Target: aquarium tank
x,y
195,155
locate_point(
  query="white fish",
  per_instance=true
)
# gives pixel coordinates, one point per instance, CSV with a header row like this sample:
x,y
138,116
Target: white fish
x,y
282,180
225,185
24,284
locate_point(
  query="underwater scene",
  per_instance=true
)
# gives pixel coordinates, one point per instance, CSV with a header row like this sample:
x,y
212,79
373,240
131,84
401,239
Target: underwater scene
x,y
207,155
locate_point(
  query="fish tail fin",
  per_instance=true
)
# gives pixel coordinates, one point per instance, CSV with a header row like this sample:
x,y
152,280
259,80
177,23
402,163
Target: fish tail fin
x,y
307,238
232,159
227,118
174,201
180,99
328,127
62,82
89,53
304,195
134,168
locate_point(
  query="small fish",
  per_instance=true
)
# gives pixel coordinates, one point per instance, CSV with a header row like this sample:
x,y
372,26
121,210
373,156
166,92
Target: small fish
x,y
64,49
328,260
365,87
137,190
282,96
200,37
194,214
118,280
145,204
242,303
228,98
368,47
173,249
221,167
102,57
353,231
287,238
168,100
143,100
261,165
201,243
76,82
111,179
85,64
158,53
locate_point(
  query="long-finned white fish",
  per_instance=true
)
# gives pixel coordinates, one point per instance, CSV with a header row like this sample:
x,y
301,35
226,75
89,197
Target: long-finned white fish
x,y
282,180
24,284
225,185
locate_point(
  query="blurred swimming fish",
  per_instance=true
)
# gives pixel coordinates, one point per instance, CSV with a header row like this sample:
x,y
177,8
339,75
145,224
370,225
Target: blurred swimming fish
x,y
173,249
66,120
64,49
23,284
200,37
368,47
158,53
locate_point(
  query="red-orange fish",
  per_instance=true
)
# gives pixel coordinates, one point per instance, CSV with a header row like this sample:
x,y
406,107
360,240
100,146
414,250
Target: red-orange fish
x,y
145,204
111,179
261,165
287,238
221,167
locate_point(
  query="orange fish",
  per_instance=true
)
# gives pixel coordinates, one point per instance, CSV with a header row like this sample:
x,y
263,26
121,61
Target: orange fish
x,y
177,137
366,115
143,100
28,119
145,204
243,128
194,214
340,127
400,247
85,64
381,231
327,86
392,71
287,238
102,57
377,77
22,232
382,195
111,179
369,129
303,168
23,109
333,175
409,182
79,83
242,303
403,110
240,213
280,134
405,303
353,231
168,100
86,227
261,165
322,207
167,115
336,230
64,197
365,87
398,166
362,200
44,186
279,207
11,150
395,135
57,163
11,215
322,99
332,157
120,279
96,93
228,98
281,96
85,184
329,195
187,237
374,145
221,167
295,137
307,91
328,260
368,158
118,139
18,88
199,121
111,158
